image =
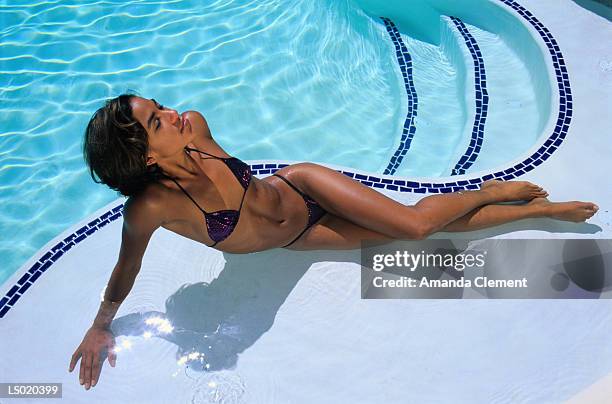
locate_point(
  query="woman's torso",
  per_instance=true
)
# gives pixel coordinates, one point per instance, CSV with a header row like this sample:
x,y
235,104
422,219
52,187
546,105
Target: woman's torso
x,y
271,214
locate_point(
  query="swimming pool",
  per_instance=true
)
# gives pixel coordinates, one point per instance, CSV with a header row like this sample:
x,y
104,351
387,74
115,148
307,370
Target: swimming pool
x,y
281,80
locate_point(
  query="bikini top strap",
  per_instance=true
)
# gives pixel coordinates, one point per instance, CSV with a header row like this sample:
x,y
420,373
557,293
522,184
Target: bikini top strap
x,y
200,151
186,193
242,200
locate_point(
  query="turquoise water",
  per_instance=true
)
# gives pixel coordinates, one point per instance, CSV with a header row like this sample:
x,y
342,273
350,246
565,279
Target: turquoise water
x,y
300,80
512,122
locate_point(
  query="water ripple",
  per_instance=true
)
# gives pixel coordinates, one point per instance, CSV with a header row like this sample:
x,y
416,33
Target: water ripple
x,y
305,77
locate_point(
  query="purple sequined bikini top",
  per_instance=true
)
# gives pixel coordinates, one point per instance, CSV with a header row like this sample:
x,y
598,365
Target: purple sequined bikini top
x,y
221,223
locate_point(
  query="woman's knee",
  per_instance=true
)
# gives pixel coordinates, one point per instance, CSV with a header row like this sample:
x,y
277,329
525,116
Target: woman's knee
x,y
305,166
415,230
298,172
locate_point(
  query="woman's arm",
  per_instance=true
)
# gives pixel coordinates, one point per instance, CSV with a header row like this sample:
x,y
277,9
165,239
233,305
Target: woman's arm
x,y
141,218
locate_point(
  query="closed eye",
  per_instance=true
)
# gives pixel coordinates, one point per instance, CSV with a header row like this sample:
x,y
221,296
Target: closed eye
x,y
159,106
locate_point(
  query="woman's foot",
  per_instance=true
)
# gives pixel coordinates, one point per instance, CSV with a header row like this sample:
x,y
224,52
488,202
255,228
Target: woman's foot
x,y
507,191
573,211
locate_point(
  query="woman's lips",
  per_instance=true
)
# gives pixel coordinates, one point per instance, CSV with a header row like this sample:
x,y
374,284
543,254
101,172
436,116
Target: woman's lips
x,y
184,122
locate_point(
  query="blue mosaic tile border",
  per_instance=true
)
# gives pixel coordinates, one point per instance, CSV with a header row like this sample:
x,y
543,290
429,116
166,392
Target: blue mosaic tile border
x,y
405,62
544,152
51,256
482,101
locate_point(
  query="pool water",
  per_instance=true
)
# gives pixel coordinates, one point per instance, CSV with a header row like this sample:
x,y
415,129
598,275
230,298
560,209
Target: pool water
x,y
512,124
298,80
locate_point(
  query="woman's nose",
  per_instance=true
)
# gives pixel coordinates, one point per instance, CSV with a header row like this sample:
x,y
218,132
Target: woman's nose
x,y
174,116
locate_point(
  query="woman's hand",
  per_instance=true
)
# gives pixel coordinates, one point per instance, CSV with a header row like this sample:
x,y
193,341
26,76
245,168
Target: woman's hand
x,y
97,343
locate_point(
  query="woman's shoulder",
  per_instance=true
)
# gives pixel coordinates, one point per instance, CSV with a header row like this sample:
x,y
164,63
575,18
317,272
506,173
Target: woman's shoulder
x,y
148,205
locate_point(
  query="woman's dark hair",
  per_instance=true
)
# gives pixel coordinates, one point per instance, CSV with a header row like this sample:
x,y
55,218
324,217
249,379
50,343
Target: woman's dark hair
x,y
115,148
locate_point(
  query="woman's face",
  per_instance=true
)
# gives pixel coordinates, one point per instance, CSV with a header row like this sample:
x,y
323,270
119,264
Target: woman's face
x,y
167,131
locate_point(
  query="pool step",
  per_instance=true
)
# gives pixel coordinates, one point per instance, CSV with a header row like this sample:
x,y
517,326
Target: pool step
x,y
478,115
425,74
405,63
476,97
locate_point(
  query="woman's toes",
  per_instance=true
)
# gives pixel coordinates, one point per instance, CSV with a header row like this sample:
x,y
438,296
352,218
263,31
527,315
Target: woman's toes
x,y
536,189
574,211
590,209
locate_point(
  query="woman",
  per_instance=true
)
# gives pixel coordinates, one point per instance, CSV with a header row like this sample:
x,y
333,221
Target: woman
x,y
177,177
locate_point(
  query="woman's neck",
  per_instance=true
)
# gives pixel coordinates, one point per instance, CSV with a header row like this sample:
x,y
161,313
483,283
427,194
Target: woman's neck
x,y
181,167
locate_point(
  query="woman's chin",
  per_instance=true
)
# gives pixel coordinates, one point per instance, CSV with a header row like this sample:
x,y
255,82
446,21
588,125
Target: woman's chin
x,y
195,124
195,117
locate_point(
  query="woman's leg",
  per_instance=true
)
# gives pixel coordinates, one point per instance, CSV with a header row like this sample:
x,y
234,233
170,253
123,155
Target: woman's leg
x,y
493,215
359,204
334,232
490,214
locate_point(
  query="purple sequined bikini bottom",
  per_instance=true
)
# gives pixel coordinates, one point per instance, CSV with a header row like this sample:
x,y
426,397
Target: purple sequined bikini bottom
x,y
315,211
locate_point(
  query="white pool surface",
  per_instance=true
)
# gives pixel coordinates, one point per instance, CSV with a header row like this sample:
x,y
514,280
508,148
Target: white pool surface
x,y
290,327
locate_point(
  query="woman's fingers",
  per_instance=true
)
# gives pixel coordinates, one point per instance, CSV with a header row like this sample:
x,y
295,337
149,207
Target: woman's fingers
x,y
82,369
95,369
87,359
75,357
112,357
